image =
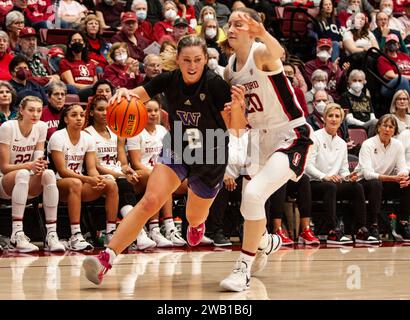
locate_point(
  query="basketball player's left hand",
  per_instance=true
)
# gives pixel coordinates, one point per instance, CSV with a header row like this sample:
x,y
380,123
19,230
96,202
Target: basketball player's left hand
x,y
254,28
238,96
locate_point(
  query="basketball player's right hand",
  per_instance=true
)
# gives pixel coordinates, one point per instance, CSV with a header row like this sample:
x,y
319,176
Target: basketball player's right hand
x,y
97,182
37,166
230,183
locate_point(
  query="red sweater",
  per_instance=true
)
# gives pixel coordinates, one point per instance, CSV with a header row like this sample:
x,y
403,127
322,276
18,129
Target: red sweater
x,y
118,76
38,10
4,66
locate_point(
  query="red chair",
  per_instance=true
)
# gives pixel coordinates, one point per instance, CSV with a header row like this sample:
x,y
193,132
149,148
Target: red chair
x,y
58,36
358,135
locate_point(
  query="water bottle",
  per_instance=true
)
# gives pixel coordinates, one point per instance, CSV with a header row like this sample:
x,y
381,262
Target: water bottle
x,y
393,222
178,224
100,239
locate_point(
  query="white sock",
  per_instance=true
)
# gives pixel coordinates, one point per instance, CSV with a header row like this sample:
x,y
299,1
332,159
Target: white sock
x,y
247,259
169,224
264,240
125,210
112,255
17,226
111,227
75,228
51,227
153,224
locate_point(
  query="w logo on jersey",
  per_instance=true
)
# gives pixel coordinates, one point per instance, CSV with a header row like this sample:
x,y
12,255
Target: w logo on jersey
x,y
189,119
296,159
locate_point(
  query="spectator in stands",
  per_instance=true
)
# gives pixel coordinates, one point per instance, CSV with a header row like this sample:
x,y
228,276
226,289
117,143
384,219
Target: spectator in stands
x,y
405,22
20,73
358,102
364,6
111,155
140,7
27,47
328,169
357,40
388,70
154,12
103,87
208,13
383,30
56,100
386,6
71,13
76,68
143,150
5,56
120,73
5,7
298,80
152,67
25,174
21,6
400,109
323,62
290,71
14,24
180,27
344,15
319,80
71,150
210,33
165,27
382,165
40,14
186,10
329,27
7,98
222,11
97,47
136,43
213,62
111,11
316,118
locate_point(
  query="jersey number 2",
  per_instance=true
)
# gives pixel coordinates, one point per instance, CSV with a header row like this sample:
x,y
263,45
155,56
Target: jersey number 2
x,y
22,158
255,104
194,138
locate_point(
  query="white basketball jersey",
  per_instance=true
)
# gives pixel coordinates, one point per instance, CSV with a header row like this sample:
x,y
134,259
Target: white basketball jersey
x,y
22,148
106,149
150,145
271,101
74,155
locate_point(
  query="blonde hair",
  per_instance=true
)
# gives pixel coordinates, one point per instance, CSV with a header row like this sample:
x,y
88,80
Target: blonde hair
x,y
396,95
334,106
25,101
83,26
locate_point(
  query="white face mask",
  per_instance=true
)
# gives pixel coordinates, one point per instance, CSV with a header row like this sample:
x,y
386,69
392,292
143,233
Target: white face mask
x,y
170,14
320,107
388,10
357,86
191,2
210,33
208,16
323,55
321,85
353,9
212,63
122,58
141,14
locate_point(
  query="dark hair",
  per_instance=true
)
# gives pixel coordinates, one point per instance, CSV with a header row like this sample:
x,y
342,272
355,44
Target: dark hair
x,y
192,40
100,82
385,118
89,119
62,124
69,55
321,16
16,61
252,13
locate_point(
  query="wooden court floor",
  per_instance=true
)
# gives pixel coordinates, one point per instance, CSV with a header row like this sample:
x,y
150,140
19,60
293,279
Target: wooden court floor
x,y
291,274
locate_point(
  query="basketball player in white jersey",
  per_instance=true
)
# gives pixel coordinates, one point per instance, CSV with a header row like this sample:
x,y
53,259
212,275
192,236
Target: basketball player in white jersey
x,y
144,150
24,174
279,136
70,148
112,160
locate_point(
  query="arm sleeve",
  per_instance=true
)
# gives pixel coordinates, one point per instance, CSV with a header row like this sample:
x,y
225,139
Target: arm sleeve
x,y
311,169
344,170
365,162
401,161
353,121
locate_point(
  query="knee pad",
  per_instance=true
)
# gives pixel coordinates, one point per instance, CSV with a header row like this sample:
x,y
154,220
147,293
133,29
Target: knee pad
x,y
50,190
253,206
20,190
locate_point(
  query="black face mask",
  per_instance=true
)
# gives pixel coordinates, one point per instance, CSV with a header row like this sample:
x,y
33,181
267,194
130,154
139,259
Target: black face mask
x,y
290,79
392,47
77,47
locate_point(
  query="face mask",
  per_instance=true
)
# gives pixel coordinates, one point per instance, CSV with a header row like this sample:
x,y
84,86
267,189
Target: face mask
x,y
358,24
191,2
290,79
392,47
77,47
357,86
22,74
388,10
320,107
210,33
212,64
170,14
109,2
353,9
141,14
323,55
321,85
121,58
208,16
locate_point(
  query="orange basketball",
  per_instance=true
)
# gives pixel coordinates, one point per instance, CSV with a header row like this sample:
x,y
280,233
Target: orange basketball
x,y
127,118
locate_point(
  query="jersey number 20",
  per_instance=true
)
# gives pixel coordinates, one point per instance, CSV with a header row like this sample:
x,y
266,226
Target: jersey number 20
x,y
255,104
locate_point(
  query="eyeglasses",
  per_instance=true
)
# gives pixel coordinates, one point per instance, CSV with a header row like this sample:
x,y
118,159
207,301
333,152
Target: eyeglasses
x,y
402,99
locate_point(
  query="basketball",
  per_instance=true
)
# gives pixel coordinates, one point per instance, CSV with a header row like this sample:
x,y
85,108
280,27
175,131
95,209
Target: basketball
x,y
127,118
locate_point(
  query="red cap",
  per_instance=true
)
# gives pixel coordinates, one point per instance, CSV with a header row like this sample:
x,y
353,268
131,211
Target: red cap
x,y
56,52
392,37
27,32
129,16
324,42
